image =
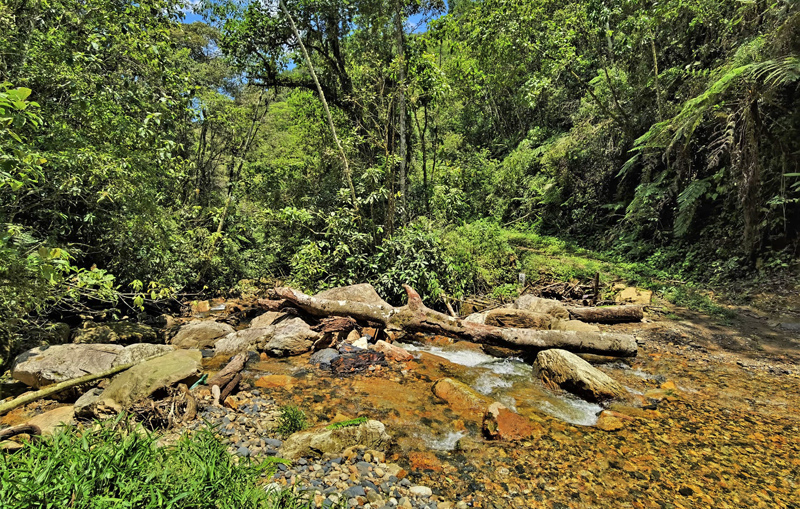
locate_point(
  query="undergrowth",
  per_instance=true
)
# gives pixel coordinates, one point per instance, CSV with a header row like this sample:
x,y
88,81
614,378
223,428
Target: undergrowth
x,y
117,465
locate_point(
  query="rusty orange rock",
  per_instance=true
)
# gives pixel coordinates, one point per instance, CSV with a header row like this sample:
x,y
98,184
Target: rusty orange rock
x,y
275,382
424,461
500,423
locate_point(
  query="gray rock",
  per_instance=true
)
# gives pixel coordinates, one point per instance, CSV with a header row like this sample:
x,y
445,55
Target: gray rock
x,y
200,335
291,337
138,352
272,442
48,365
83,406
320,440
353,492
267,319
324,357
573,374
243,340
364,292
551,307
243,451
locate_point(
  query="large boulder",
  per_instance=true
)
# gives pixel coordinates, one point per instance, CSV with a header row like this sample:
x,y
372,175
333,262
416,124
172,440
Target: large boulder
x,y
568,371
322,440
145,378
244,340
291,337
138,352
550,307
121,333
461,397
265,320
364,292
50,421
200,335
52,364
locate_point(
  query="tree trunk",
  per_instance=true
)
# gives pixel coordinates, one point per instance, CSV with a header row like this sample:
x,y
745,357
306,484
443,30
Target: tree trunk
x,y
402,109
611,314
415,317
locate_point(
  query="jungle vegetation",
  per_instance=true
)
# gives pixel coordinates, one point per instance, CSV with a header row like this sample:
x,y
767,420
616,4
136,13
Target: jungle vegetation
x,y
141,155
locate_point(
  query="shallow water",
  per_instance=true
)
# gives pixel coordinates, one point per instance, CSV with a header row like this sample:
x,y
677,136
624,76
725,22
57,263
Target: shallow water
x,y
514,383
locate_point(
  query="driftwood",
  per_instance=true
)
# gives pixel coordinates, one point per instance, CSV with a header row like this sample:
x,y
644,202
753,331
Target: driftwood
x,y
415,317
22,429
228,379
335,324
611,314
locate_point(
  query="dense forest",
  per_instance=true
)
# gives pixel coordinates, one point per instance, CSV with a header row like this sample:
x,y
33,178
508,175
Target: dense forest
x,y
142,156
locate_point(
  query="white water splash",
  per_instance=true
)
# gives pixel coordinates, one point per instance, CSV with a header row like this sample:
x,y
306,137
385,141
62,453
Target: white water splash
x,y
571,410
467,358
444,443
487,383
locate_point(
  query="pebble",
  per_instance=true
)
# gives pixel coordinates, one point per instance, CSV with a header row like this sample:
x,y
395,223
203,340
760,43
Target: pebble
x,y
420,491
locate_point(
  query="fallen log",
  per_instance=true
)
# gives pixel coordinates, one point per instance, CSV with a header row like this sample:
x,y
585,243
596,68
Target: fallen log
x,y
416,317
29,397
610,314
229,372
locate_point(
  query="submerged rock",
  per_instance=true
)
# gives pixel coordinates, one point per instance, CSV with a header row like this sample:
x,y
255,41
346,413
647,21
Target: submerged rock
x,y
43,366
356,362
571,373
200,335
461,397
321,440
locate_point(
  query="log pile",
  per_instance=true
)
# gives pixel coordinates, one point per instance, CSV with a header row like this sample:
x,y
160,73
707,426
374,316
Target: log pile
x,y
415,317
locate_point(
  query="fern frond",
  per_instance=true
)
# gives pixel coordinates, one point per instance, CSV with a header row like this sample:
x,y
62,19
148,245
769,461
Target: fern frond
x,y
687,205
776,73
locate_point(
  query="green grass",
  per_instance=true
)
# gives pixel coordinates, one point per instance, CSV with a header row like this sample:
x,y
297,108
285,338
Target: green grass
x,y
117,465
345,424
291,420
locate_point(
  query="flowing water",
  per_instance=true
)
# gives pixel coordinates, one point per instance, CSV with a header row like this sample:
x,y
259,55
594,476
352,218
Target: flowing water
x,y
514,383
